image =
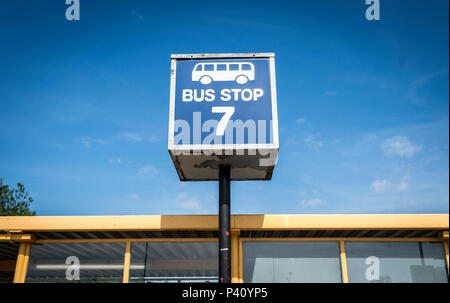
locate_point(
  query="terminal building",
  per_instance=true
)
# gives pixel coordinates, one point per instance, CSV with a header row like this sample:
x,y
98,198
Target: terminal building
x,y
264,248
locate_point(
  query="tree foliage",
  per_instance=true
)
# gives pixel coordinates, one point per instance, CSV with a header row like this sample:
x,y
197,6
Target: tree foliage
x,y
15,201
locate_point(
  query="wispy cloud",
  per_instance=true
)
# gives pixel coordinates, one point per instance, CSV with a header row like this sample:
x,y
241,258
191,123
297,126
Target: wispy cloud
x,y
419,83
130,137
152,139
313,143
134,197
399,146
385,186
381,186
301,120
148,169
88,141
312,202
182,195
118,160
428,77
134,137
190,205
71,111
137,15
403,186
305,178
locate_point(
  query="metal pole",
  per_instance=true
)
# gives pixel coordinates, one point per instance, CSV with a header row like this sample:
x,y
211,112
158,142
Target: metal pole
x,y
224,225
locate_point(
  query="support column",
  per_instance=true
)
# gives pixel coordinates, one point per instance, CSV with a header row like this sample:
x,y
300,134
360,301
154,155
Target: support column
x,y
343,262
126,263
224,224
445,242
444,236
22,262
235,256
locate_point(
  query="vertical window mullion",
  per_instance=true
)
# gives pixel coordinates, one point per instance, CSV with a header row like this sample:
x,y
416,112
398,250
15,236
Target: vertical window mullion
x,y
126,263
343,262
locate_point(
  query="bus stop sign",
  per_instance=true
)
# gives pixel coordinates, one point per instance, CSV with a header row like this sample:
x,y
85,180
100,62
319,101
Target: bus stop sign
x,y
223,110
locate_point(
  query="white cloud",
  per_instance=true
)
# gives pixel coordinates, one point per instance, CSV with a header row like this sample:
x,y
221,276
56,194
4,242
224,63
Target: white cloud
x,y
313,143
385,186
187,202
301,120
118,160
381,186
134,137
403,186
313,202
87,141
182,195
399,146
147,169
413,202
130,137
190,205
153,139
134,196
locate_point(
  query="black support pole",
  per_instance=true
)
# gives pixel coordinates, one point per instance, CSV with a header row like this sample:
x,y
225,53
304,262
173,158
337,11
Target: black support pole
x,y
224,225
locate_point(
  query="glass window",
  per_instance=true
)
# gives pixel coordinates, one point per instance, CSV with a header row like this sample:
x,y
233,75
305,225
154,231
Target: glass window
x,y
246,67
209,67
402,262
8,257
297,262
174,262
234,67
76,262
199,67
221,67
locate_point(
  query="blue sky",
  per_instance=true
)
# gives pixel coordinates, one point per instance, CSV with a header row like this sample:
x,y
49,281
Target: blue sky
x,y
363,106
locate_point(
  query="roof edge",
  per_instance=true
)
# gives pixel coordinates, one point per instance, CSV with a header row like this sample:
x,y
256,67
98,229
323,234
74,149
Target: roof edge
x,y
238,222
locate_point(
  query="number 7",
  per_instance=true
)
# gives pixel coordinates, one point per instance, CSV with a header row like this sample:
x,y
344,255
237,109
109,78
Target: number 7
x,y
228,111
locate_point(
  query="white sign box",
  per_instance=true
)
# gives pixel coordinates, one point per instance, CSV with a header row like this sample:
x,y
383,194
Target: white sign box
x,y
223,110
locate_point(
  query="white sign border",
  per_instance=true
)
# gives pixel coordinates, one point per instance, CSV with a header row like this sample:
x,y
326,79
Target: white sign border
x,y
192,147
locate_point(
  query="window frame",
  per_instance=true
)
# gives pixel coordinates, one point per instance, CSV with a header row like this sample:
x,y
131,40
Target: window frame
x,y
21,274
341,241
22,260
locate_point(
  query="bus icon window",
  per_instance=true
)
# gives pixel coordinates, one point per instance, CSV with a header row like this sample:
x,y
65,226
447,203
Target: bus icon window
x,y
241,72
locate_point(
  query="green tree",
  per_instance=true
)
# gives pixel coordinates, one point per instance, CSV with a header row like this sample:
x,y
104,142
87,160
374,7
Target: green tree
x,y
15,201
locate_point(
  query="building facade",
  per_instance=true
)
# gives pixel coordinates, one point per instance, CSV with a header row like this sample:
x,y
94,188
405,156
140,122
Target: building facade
x,y
264,248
